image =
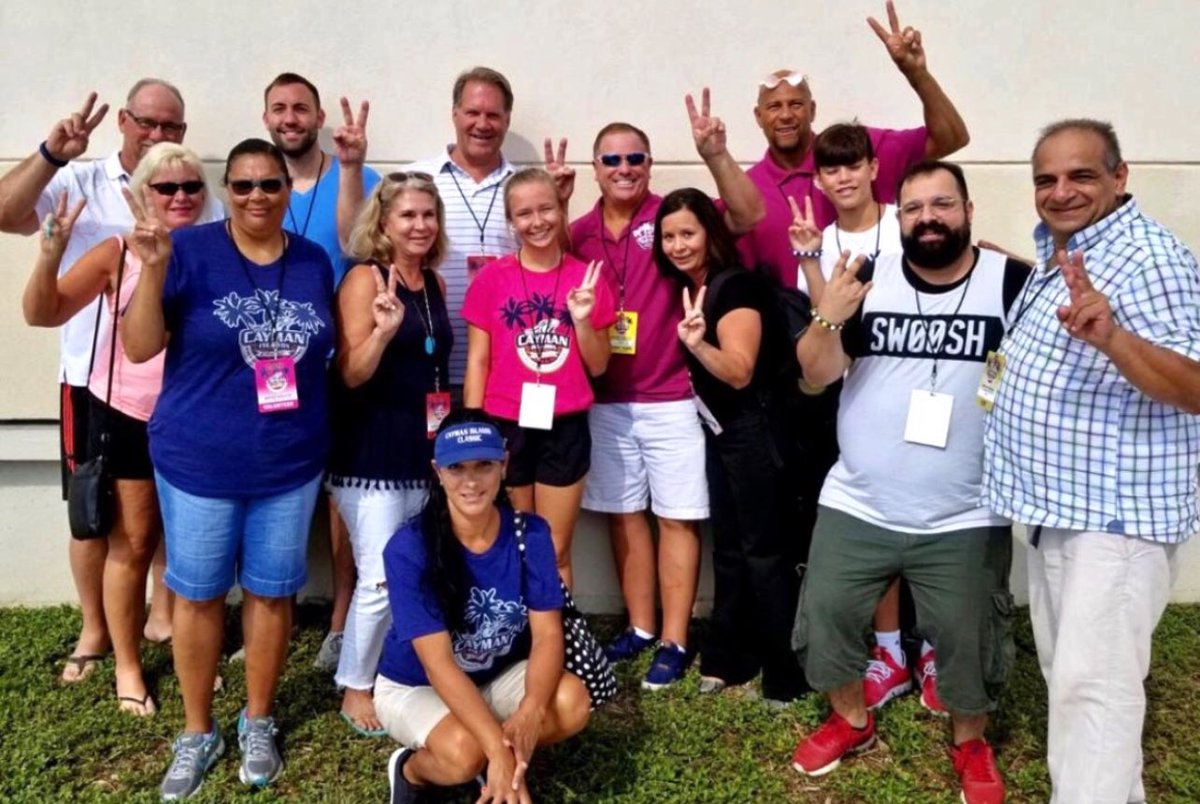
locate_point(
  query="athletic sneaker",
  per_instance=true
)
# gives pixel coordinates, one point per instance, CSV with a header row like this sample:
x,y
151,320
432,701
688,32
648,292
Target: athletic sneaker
x,y
927,678
976,768
627,645
260,758
330,652
195,753
669,665
884,679
403,791
822,751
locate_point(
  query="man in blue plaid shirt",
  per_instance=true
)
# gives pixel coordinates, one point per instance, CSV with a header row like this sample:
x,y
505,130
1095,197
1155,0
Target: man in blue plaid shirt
x,y
1093,443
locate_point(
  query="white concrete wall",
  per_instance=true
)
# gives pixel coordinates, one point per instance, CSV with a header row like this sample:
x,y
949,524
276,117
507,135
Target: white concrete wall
x,y
1010,67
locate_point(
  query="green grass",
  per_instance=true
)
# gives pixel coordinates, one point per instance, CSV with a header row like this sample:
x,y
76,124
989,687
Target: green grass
x,y
70,743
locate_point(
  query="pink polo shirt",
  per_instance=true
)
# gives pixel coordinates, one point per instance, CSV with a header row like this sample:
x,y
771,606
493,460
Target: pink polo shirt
x,y
656,372
525,313
767,245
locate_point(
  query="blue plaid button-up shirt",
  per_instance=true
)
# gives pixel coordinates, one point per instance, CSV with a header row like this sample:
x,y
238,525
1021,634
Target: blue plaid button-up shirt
x,y
1069,442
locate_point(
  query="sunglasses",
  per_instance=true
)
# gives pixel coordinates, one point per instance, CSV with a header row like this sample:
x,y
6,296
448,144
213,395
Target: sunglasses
x,y
169,129
614,160
169,188
403,176
793,78
269,186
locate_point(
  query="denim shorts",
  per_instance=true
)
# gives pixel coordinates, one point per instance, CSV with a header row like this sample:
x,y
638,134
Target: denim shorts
x,y
263,539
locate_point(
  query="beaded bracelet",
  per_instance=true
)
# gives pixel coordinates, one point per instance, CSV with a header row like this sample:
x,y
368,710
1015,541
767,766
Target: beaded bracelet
x,y
51,158
825,323
807,255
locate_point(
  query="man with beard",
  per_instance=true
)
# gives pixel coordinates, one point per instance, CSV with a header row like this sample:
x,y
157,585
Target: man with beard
x,y
293,116
903,500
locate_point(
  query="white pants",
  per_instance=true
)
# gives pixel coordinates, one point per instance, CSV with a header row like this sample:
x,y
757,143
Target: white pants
x,y
372,516
1095,599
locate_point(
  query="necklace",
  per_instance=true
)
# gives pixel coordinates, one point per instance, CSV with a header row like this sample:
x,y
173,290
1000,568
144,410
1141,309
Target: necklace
x,y
426,317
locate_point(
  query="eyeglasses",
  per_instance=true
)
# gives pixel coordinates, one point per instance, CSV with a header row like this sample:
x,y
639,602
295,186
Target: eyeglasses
x,y
614,160
793,78
404,175
168,128
942,205
269,186
169,188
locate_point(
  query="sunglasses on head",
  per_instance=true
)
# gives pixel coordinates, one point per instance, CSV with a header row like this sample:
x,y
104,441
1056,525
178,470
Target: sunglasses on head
x,y
793,78
169,188
404,175
633,160
269,186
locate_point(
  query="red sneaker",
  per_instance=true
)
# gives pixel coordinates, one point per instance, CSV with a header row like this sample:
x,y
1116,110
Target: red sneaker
x,y
822,751
976,768
927,678
884,679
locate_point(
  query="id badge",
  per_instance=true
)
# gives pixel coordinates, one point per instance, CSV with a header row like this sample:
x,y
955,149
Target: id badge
x,y
475,263
706,416
989,383
622,336
437,408
275,380
537,406
928,418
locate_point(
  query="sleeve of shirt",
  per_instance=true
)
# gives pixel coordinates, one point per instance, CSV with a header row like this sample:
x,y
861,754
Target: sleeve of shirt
x,y
415,613
476,304
903,146
48,199
543,591
1162,303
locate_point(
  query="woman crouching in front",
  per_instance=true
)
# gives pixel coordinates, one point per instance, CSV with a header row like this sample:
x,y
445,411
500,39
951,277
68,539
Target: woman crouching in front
x,y
472,668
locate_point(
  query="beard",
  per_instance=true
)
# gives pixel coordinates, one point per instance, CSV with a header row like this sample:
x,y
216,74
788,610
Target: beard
x,y
300,149
935,256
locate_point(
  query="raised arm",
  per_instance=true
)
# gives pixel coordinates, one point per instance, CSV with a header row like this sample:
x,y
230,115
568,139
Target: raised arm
x,y
49,301
368,316
945,130
823,360
350,148
594,346
143,327
22,186
739,334
743,202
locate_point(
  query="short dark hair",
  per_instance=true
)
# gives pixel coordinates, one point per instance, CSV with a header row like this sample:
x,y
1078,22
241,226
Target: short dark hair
x,y
843,144
252,146
722,250
287,79
619,128
485,75
928,166
1101,128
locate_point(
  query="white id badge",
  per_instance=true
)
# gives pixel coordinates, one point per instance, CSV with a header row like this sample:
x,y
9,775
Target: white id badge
x,y
706,416
537,406
928,418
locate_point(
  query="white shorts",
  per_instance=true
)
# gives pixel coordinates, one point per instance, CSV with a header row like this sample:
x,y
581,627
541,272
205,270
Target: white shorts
x,y
410,713
647,454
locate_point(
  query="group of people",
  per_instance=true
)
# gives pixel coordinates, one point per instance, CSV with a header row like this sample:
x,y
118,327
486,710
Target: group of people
x,y
819,360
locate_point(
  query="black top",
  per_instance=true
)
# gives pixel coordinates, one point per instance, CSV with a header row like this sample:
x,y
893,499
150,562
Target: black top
x,y
379,427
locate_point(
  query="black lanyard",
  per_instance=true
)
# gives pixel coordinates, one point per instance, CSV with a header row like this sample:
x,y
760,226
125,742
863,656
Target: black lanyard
x,y
539,344
312,202
937,350
878,228
272,312
1044,279
487,215
624,270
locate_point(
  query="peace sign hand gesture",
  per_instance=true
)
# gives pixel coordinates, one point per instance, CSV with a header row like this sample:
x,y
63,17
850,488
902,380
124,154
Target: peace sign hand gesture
x,y
350,138
69,137
150,238
904,46
387,309
707,131
1089,316
692,328
844,293
57,225
803,233
557,167
582,300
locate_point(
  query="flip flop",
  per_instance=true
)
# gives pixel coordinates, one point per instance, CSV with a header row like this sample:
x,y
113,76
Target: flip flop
x,y
360,730
85,664
145,703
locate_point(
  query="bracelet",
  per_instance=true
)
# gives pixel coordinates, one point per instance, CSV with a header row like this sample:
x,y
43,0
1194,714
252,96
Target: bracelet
x,y
807,255
825,323
51,158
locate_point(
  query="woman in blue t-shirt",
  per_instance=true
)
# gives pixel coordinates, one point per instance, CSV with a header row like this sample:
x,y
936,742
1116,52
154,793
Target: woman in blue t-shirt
x,y
238,439
472,667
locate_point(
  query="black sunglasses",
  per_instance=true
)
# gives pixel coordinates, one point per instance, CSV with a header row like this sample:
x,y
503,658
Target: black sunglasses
x,y
269,186
633,160
403,176
169,188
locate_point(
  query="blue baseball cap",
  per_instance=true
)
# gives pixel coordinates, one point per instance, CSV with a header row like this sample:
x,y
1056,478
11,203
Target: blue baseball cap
x,y
469,441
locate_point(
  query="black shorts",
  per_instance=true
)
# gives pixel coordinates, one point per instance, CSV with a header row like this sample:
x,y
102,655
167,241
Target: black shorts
x,y
72,430
128,444
560,456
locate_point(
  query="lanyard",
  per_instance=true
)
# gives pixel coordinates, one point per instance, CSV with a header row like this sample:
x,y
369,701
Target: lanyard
x,y
878,228
539,344
937,350
426,319
486,216
271,312
312,202
624,270
1044,282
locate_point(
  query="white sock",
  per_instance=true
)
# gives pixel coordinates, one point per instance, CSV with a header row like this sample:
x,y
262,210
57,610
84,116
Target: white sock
x,y
925,647
643,634
890,641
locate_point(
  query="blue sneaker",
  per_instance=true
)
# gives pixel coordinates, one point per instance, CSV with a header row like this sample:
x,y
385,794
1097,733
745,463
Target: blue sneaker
x,y
260,757
627,645
194,754
669,665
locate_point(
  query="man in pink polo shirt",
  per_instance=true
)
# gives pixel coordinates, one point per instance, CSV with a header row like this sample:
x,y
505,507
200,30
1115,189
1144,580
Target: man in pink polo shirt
x,y
647,446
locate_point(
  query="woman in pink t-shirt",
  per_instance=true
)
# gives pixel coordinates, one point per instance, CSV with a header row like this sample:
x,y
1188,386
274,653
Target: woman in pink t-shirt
x,y
171,179
536,336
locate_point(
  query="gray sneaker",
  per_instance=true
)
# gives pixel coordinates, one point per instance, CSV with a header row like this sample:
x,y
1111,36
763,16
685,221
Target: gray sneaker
x,y
194,755
260,758
330,652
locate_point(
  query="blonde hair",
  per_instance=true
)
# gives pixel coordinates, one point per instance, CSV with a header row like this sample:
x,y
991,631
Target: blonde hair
x,y
536,175
167,155
367,240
